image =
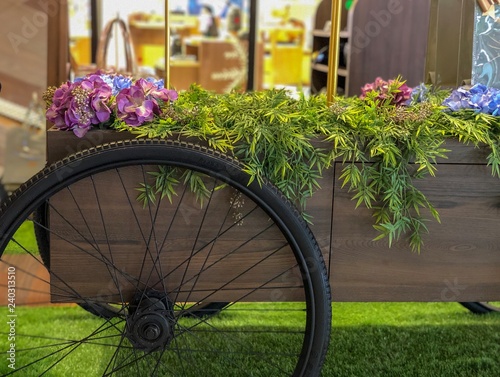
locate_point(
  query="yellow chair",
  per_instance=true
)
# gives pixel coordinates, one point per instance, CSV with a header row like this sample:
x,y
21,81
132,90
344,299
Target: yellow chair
x,y
286,55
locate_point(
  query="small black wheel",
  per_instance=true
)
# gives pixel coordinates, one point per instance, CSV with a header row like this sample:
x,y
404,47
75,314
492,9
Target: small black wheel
x,y
206,237
206,309
482,307
3,192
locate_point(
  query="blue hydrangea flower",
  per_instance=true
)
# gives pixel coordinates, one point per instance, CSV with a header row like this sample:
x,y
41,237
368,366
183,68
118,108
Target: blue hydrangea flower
x,y
108,79
494,103
121,82
457,100
479,98
419,94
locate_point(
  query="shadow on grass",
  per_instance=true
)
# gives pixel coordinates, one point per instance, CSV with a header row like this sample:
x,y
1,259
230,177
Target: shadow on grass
x,y
421,350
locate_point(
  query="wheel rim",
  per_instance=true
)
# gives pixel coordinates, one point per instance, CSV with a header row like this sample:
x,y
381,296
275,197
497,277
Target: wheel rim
x,y
162,336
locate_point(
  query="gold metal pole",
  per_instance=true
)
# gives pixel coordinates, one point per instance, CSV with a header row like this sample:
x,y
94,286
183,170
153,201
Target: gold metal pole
x,y
333,53
167,45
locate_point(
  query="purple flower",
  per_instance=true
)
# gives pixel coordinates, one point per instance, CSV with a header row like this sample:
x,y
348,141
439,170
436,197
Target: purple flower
x,y
139,103
100,94
419,94
91,100
456,101
152,90
134,108
402,95
160,84
79,105
55,113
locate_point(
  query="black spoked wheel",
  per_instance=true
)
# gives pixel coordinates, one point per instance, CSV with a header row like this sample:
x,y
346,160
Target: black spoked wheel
x,y
482,307
154,231
104,310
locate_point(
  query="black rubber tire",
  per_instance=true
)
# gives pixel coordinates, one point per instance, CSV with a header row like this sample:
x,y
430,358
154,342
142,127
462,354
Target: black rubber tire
x,y
481,307
313,329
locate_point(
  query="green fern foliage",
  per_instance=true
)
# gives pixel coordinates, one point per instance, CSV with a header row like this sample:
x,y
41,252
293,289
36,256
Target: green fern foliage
x,y
290,141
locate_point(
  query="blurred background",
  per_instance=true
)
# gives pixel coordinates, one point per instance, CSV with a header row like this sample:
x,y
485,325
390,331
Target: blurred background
x,y
222,45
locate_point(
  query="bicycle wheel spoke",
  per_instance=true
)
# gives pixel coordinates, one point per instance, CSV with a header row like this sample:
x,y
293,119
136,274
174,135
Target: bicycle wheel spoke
x,y
160,258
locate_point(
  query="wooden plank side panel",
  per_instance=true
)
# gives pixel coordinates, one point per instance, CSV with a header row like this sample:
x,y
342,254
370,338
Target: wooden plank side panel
x,y
460,260
105,246
62,144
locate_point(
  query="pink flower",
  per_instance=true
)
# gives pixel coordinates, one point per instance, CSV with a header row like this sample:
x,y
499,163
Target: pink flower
x,y
403,95
396,90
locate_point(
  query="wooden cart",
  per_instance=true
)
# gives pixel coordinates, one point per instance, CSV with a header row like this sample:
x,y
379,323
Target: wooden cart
x,y
153,273
155,282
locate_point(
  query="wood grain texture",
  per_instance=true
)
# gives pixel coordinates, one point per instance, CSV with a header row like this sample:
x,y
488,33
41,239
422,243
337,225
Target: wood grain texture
x,y
103,238
85,272
460,260
389,38
32,287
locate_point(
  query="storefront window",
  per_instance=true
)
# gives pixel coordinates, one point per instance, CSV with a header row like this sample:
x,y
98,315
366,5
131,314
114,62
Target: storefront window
x,y
80,31
285,27
209,41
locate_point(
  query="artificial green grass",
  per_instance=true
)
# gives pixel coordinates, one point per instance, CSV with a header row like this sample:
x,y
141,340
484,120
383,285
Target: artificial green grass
x,y
68,325
409,339
368,339
26,233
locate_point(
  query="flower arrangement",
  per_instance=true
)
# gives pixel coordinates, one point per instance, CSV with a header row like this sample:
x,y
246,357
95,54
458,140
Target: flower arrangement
x,y
100,98
387,138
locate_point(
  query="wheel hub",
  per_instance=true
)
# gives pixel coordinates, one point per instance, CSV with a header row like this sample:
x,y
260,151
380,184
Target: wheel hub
x,y
151,322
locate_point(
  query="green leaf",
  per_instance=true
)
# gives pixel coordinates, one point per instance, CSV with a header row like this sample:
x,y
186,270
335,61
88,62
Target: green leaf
x,y
384,150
